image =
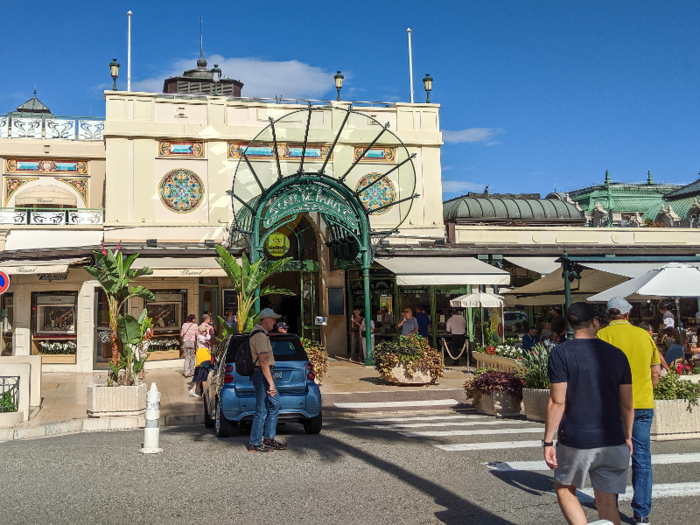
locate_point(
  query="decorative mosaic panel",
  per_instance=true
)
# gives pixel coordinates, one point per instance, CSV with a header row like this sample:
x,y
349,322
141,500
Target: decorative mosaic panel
x,y
181,191
69,167
79,185
180,149
26,128
47,217
285,151
375,154
376,196
4,127
13,184
90,129
85,217
13,217
60,129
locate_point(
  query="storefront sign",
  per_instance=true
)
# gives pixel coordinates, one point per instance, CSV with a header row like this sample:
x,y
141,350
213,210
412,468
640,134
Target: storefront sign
x,y
26,269
277,244
304,200
52,277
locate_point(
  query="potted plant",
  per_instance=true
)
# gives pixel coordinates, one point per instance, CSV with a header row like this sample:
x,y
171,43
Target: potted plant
x,y
409,360
317,356
536,384
677,415
58,351
122,395
503,357
495,392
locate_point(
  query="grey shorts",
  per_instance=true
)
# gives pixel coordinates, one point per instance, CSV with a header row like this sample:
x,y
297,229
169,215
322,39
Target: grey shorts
x,y
607,467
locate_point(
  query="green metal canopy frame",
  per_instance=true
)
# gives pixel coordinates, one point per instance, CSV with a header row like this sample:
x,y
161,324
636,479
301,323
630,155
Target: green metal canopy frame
x,y
278,177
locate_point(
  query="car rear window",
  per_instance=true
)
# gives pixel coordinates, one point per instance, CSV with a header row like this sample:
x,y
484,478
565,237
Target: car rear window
x,y
285,347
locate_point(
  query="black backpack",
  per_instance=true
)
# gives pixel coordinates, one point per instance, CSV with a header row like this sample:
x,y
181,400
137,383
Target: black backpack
x,y
245,366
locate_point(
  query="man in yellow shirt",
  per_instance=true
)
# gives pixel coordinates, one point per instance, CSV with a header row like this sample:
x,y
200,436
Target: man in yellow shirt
x,y
645,364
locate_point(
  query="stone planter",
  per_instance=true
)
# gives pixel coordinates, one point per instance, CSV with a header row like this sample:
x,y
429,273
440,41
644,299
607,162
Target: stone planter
x,y
535,403
68,359
499,404
103,401
693,378
10,419
495,362
420,377
675,420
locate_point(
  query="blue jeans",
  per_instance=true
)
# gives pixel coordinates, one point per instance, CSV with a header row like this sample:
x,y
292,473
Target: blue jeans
x,y
641,461
266,409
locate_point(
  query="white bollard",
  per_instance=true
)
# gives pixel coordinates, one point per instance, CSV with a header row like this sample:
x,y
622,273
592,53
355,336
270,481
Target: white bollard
x,y
151,434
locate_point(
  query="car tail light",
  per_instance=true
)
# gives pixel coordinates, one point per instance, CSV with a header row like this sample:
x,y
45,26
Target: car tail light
x,y
228,369
309,366
228,378
310,376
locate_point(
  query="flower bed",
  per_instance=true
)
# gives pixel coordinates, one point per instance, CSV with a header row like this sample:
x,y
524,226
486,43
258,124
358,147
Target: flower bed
x,y
415,359
677,414
503,357
59,347
317,356
496,392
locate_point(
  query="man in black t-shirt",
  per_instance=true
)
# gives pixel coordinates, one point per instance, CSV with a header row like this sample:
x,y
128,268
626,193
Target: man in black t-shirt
x,y
591,402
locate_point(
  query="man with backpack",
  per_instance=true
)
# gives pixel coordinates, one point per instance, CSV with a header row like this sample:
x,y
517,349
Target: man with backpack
x,y
267,401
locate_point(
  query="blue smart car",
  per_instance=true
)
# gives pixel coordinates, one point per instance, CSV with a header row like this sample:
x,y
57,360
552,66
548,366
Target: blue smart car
x,y
229,398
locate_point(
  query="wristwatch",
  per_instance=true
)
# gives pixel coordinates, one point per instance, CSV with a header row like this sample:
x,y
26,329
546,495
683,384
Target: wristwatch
x,y
547,443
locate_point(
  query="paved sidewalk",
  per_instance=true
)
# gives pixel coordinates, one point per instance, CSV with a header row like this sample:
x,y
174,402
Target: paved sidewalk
x,y
64,398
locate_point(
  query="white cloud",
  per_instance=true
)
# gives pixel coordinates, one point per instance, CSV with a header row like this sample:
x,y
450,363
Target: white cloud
x,y
461,186
494,143
261,78
471,135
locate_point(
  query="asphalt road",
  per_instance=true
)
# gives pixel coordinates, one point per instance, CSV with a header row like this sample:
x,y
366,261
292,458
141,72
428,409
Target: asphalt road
x,y
353,472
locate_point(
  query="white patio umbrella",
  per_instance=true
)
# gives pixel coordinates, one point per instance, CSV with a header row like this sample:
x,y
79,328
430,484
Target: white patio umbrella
x,y
480,300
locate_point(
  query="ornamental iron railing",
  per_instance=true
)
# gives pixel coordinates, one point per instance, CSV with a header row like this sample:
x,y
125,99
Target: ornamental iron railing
x,y
51,127
9,393
51,217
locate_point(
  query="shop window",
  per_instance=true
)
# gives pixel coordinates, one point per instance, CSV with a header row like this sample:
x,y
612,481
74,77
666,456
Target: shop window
x,y
53,324
167,311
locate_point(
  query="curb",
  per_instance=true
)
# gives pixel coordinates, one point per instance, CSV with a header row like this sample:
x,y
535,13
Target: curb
x,y
90,424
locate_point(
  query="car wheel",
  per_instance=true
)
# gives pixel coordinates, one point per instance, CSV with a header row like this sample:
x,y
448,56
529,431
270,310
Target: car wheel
x,y
224,427
313,425
208,421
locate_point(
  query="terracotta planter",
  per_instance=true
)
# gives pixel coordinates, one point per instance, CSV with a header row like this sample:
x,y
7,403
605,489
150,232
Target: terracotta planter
x,y
535,403
499,404
68,359
103,401
675,420
163,355
495,362
420,377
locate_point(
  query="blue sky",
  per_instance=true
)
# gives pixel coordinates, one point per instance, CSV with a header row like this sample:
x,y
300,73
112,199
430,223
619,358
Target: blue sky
x,y
535,95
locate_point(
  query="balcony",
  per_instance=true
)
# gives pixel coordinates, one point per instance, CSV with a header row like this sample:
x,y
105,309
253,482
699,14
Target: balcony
x,y
51,217
52,128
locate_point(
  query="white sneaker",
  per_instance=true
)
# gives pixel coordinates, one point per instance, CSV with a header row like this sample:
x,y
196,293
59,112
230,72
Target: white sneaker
x,y
193,394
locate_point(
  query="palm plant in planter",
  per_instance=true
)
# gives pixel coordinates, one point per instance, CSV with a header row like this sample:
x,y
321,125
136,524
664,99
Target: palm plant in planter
x,y
496,392
409,359
533,365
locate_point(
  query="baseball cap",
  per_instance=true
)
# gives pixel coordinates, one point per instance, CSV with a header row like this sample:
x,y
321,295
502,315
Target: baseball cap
x,y
282,325
620,304
669,322
269,312
581,313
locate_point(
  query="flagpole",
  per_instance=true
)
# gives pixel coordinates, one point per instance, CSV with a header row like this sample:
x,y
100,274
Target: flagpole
x,y
128,53
410,61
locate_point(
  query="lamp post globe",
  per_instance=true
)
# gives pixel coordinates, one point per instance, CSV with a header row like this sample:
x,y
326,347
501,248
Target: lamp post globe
x,y
428,85
114,71
216,77
338,83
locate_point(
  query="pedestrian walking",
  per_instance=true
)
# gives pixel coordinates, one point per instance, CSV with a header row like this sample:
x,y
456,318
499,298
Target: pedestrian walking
x,y
644,361
188,334
590,402
457,326
423,322
408,324
363,338
355,322
203,359
558,323
267,402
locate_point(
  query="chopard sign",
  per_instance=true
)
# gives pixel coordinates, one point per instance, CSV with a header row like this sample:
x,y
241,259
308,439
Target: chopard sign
x,y
301,200
52,277
193,273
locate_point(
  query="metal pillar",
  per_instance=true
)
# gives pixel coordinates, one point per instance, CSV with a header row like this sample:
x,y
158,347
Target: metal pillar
x,y
366,263
566,265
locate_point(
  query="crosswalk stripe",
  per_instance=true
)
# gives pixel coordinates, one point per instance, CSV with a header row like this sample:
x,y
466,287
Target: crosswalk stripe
x,y
450,424
661,490
415,418
447,433
658,459
501,445
399,404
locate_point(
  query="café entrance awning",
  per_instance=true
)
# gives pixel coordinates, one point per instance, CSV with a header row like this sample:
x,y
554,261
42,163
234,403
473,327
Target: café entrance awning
x,y
181,266
28,267
424,271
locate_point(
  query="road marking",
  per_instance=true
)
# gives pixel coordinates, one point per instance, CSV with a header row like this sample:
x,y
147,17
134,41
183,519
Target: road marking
x,y
397,404
450,424
662,490
447,433
462,447
417,418
658,459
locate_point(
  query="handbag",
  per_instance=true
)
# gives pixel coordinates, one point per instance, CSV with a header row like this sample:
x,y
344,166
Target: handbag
x,y
189,345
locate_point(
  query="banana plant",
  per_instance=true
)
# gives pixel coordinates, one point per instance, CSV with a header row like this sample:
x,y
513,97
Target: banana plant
x,y
247,279
113,272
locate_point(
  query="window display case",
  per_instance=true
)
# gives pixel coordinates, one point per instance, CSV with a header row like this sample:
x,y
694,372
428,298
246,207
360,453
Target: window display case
x,y
55,314
167,311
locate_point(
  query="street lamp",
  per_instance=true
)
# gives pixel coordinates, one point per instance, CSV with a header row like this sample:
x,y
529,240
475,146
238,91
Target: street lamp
x,y
216,77
114,70
338,83
428,85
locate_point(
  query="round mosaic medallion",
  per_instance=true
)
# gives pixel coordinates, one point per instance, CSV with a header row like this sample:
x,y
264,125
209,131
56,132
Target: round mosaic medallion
x,y
376,196
181,191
